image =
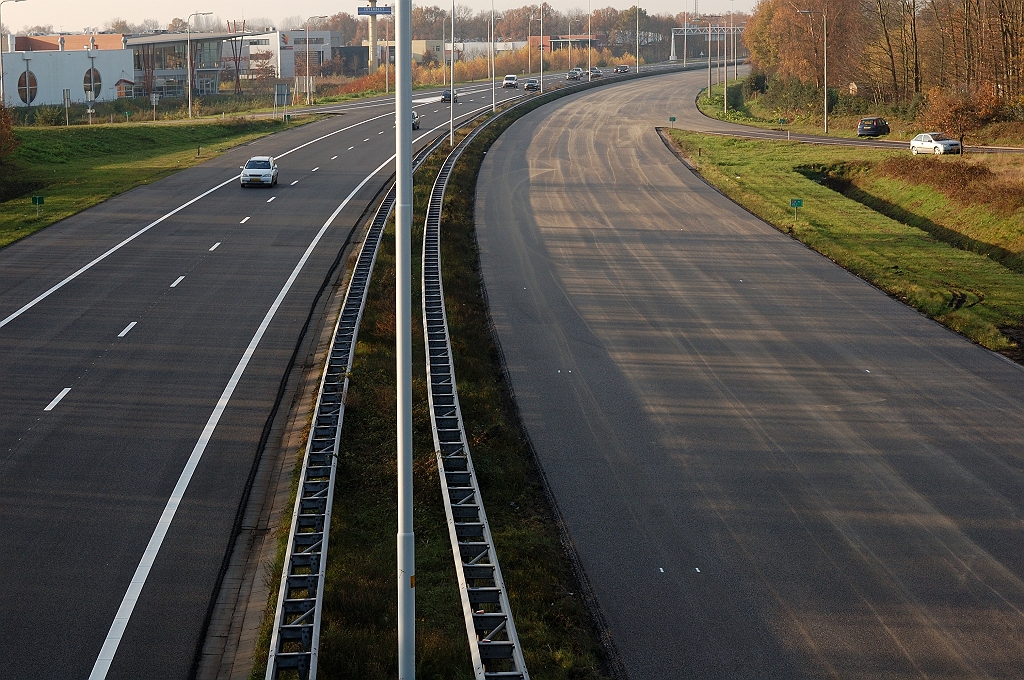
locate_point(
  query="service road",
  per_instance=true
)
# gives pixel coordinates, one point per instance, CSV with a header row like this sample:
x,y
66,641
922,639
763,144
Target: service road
x,y
768,468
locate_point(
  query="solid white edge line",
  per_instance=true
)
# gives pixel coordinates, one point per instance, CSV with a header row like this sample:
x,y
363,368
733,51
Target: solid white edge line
x,y
71,277
126,329
215,246
177,281
131,597
56,400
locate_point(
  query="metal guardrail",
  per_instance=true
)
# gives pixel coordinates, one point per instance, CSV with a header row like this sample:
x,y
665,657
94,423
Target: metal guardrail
x,y
494,645
295,641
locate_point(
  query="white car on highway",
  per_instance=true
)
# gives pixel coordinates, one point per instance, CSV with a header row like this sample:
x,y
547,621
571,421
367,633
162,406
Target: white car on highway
x,y
934,142
259,171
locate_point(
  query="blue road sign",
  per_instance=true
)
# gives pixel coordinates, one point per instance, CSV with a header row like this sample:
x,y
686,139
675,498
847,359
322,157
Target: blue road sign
x,y
373,10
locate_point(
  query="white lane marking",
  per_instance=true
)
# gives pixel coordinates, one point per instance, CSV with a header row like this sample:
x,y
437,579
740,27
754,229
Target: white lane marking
x,y
381,132
246,219
367,139
294,183
126,329
271,199
71,277
315,169
215,246
698,569
131,597
56,400
333,157
177,281
661,570
350,148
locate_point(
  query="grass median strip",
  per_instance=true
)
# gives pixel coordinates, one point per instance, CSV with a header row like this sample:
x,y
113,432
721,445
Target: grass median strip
x,y
76,168
359,637
967,291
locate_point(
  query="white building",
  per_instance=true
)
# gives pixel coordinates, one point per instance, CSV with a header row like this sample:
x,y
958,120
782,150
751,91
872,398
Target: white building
x,y
39,78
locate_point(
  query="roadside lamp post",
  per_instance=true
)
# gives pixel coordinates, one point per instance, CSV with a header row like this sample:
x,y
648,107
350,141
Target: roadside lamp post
x,y
637,38
188,54
406,543
824,38
451,100
725,81
541,41
444,72
309,82
3,95
494,101
590,46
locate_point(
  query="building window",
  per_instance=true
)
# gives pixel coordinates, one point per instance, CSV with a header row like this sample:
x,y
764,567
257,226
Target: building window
x,y
93,82
27,87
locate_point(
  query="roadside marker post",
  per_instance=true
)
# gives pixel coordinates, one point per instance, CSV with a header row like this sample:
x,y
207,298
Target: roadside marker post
x,y
672,119
796,204
37,201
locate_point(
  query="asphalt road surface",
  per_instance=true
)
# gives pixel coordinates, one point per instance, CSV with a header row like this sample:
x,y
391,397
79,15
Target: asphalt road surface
x,y
768,468
164,345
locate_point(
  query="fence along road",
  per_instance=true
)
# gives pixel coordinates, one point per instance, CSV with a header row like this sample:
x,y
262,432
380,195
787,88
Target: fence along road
x,y
767,467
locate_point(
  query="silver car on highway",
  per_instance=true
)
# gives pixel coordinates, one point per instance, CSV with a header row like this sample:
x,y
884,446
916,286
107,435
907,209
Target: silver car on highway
x,y
259,171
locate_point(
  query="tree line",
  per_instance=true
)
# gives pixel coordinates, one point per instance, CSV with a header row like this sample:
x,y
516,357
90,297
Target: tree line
x,y
895,51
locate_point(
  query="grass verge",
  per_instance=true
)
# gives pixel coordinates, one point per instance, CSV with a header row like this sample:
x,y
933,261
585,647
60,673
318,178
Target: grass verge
x,y
967,291
359,638
76,168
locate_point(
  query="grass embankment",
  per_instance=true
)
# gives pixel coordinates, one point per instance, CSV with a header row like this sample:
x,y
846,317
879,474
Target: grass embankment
x,y
359,638
754,114
939,273
76,168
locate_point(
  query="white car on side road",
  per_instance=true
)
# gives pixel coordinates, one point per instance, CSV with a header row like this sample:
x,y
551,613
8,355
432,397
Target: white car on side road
x,y
511,81
259,171
934,142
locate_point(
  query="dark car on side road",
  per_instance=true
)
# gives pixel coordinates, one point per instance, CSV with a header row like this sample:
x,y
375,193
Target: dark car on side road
x,y
872,127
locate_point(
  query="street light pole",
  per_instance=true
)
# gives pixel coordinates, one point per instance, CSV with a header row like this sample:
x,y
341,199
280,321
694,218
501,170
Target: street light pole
x,y
590,46
637,38
824,38
188,54
309,82
451,100
540,39
403,341
3,94
568,59
494,100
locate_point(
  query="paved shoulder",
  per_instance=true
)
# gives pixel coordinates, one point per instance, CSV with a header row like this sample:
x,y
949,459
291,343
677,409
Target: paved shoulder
x,y
769,468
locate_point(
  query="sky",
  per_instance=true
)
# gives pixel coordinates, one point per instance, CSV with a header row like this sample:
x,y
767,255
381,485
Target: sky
x,y
69,16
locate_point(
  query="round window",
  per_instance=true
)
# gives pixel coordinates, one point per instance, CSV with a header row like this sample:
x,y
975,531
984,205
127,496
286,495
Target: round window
x,y
92,82
27,87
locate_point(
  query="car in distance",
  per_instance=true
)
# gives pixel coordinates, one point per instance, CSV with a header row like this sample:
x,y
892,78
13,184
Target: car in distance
x,y
450,96
621,68
574,74
934,142
511,81
531,84
415,121
595,72
872,127
259,171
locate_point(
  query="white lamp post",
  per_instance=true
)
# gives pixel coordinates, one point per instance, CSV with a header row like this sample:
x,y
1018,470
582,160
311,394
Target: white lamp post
x,y
568,59
188,54
494,100
451,100
541,40
309,82
403,341
824,20
590,46
637,38
3,95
